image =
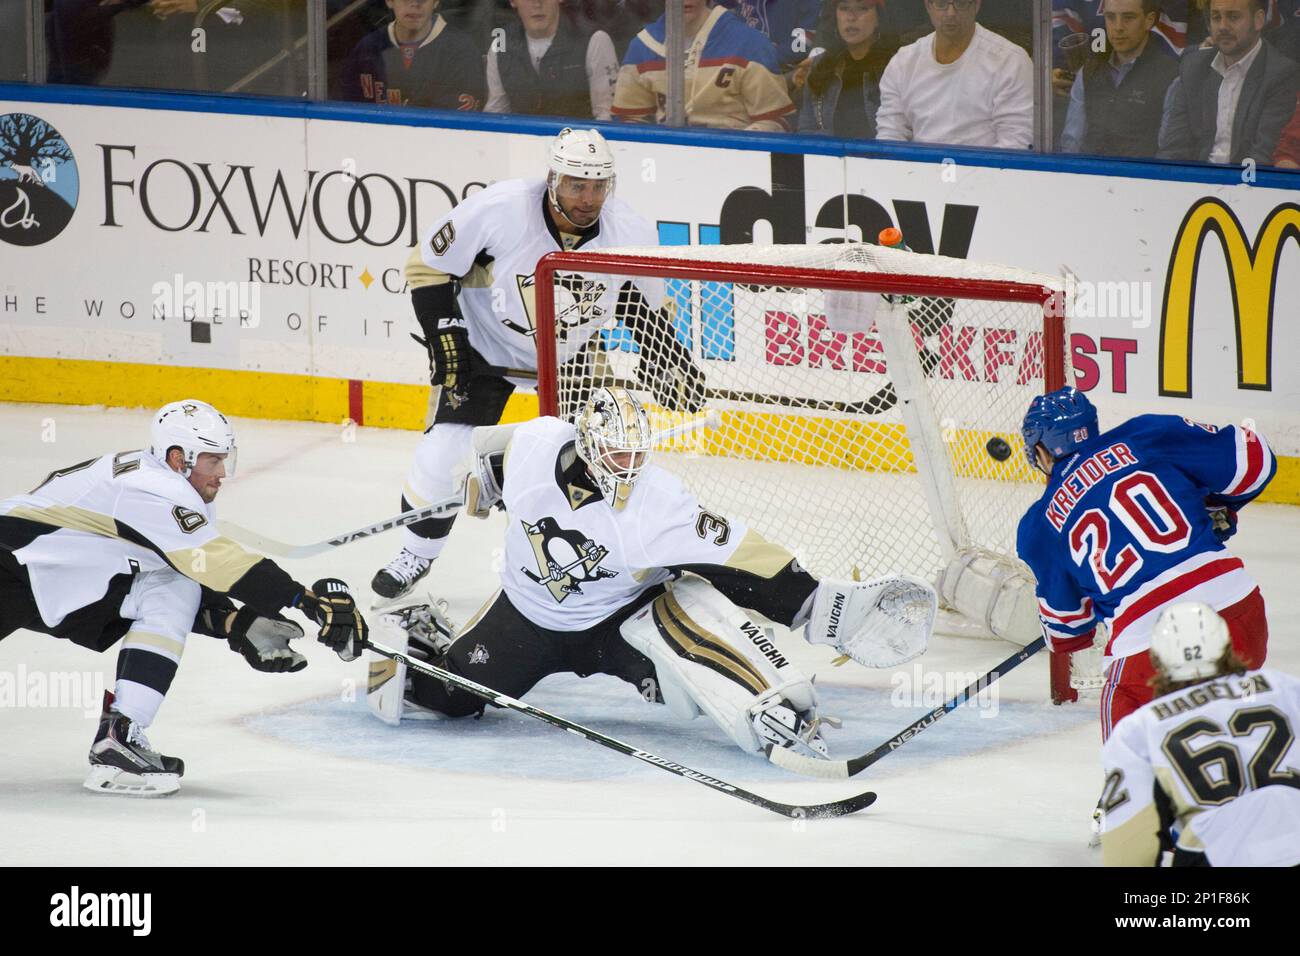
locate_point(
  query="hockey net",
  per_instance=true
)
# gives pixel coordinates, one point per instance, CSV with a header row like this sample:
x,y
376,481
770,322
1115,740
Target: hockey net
x,y
861,392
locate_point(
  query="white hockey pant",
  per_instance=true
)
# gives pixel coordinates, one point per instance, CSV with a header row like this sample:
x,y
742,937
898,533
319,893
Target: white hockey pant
x,y
711,657
161,606
436,473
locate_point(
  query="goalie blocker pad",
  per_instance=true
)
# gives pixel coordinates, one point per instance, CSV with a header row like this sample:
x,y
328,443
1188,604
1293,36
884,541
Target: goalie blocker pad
x,y
487,468
879,623
711,658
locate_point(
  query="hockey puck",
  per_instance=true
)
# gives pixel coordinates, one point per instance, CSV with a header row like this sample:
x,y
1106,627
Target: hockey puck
x,y
998,449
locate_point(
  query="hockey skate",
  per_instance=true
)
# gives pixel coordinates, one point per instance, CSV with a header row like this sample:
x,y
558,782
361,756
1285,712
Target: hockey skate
x,y
778,724
123,762
394,582
424,632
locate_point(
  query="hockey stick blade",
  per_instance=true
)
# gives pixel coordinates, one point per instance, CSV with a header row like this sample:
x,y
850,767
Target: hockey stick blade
x,y
837,808
843,769
281,549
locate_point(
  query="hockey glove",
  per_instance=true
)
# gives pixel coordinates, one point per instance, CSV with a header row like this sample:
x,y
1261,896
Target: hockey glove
x,y
675,380
446,338
879,623
264,641
342,628
1223,518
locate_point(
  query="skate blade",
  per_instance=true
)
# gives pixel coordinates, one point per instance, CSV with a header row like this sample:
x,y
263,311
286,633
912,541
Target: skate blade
x,y
122,783
416,595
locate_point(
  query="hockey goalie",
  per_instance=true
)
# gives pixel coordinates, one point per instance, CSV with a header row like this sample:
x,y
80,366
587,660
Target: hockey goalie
x,y
613,567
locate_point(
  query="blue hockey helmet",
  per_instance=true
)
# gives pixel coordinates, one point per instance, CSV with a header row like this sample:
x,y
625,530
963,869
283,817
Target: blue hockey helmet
x,y
1061,420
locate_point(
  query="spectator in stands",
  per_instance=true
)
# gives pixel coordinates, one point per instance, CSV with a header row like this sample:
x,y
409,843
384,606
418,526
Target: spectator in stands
x,y
621,19
549,65
842,92
791,25
732,77
1116,101
1287,154
417,60
1230,100
79,35
961,85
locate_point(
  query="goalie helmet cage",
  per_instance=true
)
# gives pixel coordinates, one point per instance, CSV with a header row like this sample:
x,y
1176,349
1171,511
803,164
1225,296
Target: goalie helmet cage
x,y
860,447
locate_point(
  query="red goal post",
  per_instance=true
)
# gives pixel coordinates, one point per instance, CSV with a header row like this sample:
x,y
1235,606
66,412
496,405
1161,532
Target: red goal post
x,y
762,389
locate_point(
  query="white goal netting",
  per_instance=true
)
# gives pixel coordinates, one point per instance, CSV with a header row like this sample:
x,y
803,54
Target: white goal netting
x,y
868,399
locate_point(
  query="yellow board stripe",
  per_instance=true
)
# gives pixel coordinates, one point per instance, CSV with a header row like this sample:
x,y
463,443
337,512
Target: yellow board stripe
x,y
761,437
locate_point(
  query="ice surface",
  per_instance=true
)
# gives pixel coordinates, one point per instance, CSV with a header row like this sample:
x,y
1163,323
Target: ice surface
x,y
289,768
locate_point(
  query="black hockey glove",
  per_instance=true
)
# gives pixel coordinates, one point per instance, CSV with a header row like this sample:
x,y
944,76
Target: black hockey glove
x,y
1222,517
264,641
666,366
675,380
342,628
447,340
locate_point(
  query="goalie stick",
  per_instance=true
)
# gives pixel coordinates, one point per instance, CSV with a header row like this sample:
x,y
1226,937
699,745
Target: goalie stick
x,y
842,769
816,811
281,549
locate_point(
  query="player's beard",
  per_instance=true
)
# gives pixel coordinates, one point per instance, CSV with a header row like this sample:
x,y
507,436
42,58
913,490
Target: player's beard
x,y
578,218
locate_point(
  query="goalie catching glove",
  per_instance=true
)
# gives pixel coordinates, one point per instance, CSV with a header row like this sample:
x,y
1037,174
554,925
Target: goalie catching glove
x,y
880,623
342,628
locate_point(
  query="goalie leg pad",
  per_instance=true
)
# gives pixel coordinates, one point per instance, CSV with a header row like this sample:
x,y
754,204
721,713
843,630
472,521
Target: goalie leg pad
x,y
879,623
711,658
998,593
423,631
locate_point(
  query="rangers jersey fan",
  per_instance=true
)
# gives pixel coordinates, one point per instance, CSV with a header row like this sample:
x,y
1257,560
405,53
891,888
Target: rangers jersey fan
x,y
490,244
1125,526
573,561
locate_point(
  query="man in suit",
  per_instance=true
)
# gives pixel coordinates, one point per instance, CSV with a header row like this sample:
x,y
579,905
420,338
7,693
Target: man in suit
x,y
1230,100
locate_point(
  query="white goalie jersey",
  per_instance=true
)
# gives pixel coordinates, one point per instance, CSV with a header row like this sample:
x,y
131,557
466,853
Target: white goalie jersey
x,y
571,560
1215,765
491,242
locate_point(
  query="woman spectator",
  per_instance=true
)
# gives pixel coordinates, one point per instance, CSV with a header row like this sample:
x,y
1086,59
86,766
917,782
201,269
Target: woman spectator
x,y
842,91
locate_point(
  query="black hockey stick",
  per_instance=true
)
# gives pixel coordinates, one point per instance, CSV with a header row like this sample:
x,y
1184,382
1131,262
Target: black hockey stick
x,y
838,808
281,549
842,769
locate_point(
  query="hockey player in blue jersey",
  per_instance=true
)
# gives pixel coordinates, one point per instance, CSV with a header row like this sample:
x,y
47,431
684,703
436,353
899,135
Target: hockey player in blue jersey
x,y
1132,520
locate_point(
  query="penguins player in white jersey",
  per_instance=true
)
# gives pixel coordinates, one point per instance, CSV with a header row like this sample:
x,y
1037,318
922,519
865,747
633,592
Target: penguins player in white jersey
x,y
124,547
471,281
1208,772
613,567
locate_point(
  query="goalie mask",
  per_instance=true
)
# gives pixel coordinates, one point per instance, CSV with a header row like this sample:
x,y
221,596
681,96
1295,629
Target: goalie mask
x,y
581,176
614,440
194,427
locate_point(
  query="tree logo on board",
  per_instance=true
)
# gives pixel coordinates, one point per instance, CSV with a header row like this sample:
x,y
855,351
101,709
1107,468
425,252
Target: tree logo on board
x,y
38,180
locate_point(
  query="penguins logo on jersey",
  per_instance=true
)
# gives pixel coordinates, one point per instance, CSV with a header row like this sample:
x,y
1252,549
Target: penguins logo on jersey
x,y
583,305
565,559
577,308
